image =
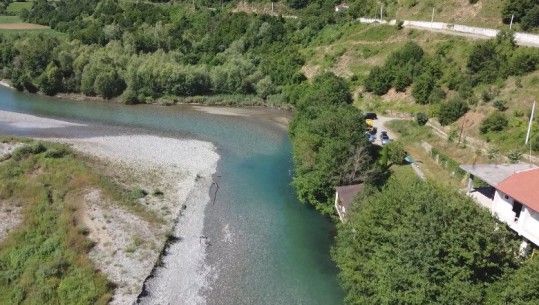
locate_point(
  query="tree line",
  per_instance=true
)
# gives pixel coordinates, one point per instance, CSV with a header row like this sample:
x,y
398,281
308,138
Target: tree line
x,y
142,51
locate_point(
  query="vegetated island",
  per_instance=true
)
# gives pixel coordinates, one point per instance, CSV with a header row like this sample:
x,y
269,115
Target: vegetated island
x,y
111,209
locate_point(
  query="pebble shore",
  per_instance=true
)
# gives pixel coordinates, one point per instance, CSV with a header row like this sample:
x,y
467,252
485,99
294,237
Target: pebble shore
x,y
181,168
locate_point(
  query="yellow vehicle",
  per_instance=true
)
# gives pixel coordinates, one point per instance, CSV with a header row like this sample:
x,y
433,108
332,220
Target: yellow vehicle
x,y
369,122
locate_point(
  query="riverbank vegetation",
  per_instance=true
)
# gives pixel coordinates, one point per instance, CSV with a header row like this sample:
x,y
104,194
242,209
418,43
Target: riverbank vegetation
x,y
45,261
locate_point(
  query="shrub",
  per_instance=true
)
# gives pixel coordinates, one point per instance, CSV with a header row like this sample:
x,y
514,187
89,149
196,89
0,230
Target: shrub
x,y
451,111
500,105
22,152
56,153
494,122
437,95
535,143
138,193
422,88
514,156
422,118
395,152
531,20
378,81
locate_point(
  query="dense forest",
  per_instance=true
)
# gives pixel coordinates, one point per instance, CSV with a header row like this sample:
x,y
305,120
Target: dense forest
x,y
139,51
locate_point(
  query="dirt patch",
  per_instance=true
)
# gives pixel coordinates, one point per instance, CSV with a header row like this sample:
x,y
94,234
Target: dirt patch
x,y
11,215
471,121
342,67
310,71
22,26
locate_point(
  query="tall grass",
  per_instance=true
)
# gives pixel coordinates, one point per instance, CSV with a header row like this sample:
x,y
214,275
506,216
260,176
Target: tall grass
x,y
45,261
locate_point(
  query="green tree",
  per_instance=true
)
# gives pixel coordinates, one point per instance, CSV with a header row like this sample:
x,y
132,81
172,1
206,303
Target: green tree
x,y
423,87
378,81
495,122
395,152
517,287
419,243
531,20
50,82
421,118
451,111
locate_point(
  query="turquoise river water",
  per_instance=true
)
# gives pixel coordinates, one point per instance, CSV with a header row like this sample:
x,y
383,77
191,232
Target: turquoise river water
x,y
280,249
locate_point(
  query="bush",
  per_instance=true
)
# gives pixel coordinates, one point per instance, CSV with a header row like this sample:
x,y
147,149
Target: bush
x,y
437,95
138,193
514,156
535,143
500,105
395,152
56,153
422,88
494,122
451,111
378,81
422,118
531,20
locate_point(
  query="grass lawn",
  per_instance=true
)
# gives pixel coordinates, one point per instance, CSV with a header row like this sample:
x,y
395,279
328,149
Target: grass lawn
x,y
16,7
10,19
412,135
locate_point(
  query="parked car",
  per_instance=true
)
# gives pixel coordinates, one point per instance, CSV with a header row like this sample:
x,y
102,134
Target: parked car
x,y
370,116
384,138
370,136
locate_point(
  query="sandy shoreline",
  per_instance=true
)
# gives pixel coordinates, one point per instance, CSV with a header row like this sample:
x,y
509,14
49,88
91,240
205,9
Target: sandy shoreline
x,y
128,246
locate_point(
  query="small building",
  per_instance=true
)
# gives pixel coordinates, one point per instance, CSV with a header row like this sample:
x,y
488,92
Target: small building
x,y
342,7
343,198
512,195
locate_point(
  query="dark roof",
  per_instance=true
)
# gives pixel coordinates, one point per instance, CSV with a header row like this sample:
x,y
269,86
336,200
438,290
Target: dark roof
x,y
523,187
347,193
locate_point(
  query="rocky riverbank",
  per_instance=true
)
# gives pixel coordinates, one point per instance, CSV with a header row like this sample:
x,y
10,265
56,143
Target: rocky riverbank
x,y
175,173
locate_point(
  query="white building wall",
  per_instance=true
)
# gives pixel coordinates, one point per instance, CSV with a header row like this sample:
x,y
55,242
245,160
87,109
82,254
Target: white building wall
x,y
528,225
503,207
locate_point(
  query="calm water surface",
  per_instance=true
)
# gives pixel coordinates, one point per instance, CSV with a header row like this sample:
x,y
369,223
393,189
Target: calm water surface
x,y
266,248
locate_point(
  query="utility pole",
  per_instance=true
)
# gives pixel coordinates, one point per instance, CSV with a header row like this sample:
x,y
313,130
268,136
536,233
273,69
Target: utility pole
x,y
432,19
381,12
272,7
530,124
511,24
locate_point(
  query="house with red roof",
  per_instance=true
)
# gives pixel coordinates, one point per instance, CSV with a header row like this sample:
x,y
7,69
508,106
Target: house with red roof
x,y
513,195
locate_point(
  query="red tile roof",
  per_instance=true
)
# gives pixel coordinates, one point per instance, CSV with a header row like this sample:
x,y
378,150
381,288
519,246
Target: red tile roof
x,y
524,187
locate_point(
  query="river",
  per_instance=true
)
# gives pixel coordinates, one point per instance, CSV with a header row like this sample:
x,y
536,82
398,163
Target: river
x,y
266,248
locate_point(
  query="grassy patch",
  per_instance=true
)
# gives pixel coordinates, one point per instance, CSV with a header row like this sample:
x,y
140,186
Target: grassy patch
x,y
17,7
10,19
412,135
45,261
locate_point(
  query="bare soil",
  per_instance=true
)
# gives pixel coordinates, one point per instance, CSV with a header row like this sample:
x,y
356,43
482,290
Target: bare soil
x,y
22,26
